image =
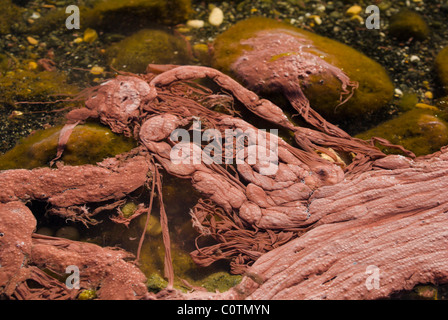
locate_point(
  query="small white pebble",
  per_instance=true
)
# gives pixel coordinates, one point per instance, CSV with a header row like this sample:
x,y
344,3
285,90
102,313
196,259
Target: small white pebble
x,y
216,17
35,15
195,23
398,92
414,58
321,8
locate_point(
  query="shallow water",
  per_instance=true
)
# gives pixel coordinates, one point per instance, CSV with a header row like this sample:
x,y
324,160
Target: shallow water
x,y
34,96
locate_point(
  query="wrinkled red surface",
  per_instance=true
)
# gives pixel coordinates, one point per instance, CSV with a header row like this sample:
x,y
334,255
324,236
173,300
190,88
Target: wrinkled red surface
x,y
25,255
309,230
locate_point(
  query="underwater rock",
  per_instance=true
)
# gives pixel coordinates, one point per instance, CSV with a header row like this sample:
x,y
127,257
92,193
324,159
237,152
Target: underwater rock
x,y
68,232
135,52
154,228
442,67
8,16
408,24
88,144
140,13
221,281
155,283
418,130
120,16
128,209
251,52
87,294
21,84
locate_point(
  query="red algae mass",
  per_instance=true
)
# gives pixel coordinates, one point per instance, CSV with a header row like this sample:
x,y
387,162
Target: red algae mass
x,y
308,230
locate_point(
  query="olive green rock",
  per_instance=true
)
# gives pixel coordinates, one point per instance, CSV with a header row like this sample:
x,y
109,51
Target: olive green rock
x,y
88,144
442,67
87,294
221,281
419,130
68,232
119,15
135,52
375,87
20,84
9,14
408,24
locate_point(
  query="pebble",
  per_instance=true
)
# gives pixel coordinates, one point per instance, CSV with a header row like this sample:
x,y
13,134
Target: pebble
x,y
426,106
195,23
354,10
32,41
414,58
357,18
32,65
398,93
216,17
96,70
35,15
90,35
316,19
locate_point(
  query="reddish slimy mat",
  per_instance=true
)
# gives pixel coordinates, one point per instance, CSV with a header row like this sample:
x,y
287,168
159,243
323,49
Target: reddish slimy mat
x,y
309,231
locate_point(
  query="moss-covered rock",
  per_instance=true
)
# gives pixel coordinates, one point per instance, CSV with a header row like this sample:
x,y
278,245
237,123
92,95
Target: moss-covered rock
x,y
68,232
120,16
114,14
155,283
89,143
153,228
375,88
419,130
8,16
221,281
87,294
442,67
408,24
135,52
21,84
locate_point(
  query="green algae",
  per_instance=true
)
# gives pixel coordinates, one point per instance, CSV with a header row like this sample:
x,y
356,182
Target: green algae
x,y
87,294
408,101
155,283
408,24
88,144
128,209
152,264
153,228
421,131
442,67
375,87
221,281
135,52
